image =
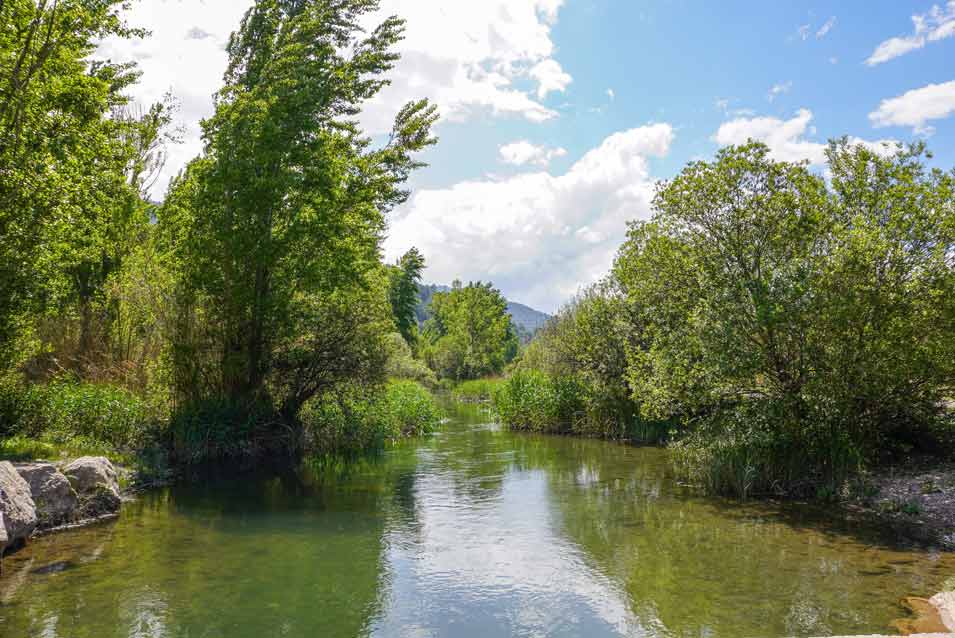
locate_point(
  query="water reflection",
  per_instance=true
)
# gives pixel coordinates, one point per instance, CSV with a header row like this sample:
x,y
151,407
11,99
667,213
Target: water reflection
x,y
472,532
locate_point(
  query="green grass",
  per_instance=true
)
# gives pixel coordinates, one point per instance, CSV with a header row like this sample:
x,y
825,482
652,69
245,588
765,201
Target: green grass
x,y
65,418
356,418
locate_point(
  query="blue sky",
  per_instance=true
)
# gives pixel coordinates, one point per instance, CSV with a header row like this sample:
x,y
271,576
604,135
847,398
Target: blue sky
x,y
560,115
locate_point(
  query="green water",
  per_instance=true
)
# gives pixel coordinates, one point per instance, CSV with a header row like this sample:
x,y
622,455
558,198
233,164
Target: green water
x,y
472,532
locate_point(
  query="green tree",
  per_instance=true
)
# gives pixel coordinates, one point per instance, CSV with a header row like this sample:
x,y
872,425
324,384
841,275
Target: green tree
x,y
405,276
61,157
286,207
809,324
470,333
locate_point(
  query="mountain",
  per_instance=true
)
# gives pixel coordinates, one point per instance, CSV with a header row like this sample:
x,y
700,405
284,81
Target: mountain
x,y
527,320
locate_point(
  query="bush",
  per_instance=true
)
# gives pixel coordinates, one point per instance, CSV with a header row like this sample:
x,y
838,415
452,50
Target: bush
x,y
535,401
354,418
531,400
755,449
476,390
67,415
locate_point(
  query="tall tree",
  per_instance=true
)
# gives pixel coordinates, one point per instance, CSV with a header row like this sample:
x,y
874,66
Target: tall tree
x,y
470,333
60,158
405,276
288,202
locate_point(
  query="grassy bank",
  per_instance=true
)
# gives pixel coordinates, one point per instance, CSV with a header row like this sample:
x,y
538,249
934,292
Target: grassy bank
x,y
67,418
533,401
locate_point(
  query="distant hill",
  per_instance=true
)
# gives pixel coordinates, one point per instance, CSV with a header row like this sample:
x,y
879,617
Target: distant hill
x,y
527,320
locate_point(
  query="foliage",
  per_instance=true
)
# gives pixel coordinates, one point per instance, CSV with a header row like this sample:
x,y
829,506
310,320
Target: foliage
x,y
802,329
356,418
476,389
401,363
404,279
281,219
470,334
65,201
531,400
73,417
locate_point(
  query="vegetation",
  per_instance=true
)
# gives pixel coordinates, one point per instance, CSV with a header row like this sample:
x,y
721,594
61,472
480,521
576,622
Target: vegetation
x,y
353,420
476,389
204,326
469,334
793,330
404,279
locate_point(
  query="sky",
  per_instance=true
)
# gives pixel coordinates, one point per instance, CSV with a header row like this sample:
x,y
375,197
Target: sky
x,y
558,117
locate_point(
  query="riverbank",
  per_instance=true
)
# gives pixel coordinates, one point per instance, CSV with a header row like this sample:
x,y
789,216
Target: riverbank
x,y
915,500
42,497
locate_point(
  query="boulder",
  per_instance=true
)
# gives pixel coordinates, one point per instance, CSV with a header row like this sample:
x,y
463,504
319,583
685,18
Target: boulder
x,y
56,501
95,480
16,506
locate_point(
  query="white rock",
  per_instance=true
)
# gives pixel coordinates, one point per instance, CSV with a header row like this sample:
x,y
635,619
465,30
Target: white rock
x,y
56,501
16,505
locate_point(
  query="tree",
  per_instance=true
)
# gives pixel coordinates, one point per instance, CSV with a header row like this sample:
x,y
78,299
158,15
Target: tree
x,y
60,158
286,207
808,325
405,276
470,333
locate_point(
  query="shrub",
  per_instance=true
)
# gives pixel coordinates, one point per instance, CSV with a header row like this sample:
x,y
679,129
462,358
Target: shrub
x,y
754,449
74,418
531,400
354,418
476,390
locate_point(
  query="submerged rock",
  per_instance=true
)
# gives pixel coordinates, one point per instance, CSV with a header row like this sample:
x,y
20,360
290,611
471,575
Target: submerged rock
x,y
56,501
95,480
16,506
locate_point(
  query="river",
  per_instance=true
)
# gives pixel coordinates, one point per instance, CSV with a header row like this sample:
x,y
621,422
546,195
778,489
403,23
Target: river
x,y
474,531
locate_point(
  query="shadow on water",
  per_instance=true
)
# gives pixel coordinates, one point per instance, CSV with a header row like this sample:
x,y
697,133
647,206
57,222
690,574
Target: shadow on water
x,y
474,531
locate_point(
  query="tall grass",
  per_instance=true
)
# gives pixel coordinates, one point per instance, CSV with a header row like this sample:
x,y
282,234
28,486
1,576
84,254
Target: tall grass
x,y
476,390
354,418
65,416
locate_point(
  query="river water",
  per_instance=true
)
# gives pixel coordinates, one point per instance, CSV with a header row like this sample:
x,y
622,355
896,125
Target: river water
x,y
474,531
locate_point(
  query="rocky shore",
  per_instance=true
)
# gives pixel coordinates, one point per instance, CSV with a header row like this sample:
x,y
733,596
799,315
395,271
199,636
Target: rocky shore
x,y
39,497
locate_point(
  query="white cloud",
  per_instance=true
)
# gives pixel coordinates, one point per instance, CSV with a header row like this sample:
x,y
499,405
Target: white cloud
x,y
538,236
467,57
937,24
611,94
787,139
185,56
550,77
778,89
917,107
826,28
473,57
804,32
523,152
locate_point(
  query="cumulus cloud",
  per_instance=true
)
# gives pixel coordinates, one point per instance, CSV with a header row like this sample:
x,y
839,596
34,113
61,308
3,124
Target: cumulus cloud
x,y
550,77
917,107
937,24
473,57
467,57
787,139
538,236
523,152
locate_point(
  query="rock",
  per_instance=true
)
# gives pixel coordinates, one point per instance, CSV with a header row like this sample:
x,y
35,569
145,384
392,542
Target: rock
x,y
95,480
945,603
56,501
16,505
